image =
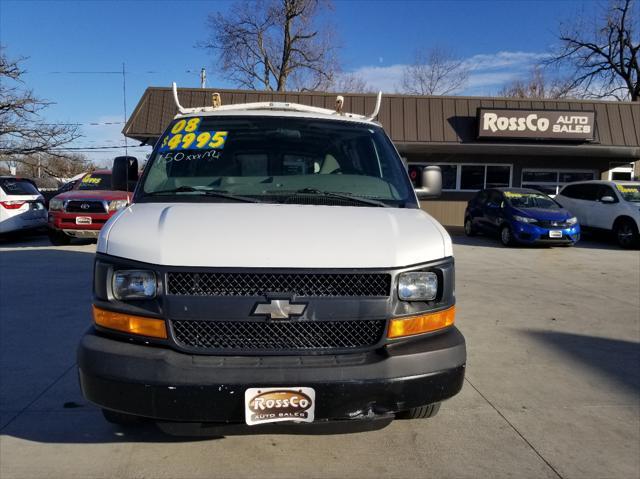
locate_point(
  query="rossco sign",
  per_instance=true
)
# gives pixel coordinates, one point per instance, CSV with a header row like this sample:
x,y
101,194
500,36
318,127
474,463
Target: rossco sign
x,y
536,124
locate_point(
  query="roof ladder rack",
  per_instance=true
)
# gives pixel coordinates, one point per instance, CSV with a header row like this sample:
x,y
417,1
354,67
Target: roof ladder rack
x,y
274,105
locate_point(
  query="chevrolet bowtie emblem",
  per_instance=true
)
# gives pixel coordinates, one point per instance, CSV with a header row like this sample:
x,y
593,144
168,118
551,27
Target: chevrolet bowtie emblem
x,y
279,309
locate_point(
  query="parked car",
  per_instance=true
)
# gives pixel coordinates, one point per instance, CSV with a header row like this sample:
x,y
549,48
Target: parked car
x,y
274,265
21,205
520,215
611,206
81,211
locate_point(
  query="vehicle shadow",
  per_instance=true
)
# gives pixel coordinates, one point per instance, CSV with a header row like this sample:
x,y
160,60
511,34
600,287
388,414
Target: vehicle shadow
x,y
589,241
33,239
45,299
613,358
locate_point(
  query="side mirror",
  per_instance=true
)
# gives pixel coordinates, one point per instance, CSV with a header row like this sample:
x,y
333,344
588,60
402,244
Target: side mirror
x,y
125,170
607,199
431,182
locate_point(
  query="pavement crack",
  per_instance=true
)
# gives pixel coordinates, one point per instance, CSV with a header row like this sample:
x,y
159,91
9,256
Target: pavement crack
x,y
34,400
515,429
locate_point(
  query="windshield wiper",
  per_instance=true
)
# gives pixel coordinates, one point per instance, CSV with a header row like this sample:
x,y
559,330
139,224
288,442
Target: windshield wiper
x,y
333,194
204,192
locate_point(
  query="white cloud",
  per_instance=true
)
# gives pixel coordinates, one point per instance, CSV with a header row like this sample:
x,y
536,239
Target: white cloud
x,y
386,79
504,59
489,72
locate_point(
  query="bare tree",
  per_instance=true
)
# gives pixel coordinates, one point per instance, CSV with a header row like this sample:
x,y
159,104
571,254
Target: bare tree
x,y
41,165
538,85
23,133
263,44
348,83
604,57
436,71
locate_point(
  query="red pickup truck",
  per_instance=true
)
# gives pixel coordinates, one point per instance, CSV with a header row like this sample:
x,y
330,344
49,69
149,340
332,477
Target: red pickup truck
x,y
82,211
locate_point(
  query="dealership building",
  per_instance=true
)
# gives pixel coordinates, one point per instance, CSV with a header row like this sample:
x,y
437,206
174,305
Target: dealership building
x,y
477,142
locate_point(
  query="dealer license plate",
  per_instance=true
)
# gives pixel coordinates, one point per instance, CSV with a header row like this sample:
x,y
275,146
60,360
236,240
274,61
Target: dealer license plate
x,y
555,234
83,220
264,405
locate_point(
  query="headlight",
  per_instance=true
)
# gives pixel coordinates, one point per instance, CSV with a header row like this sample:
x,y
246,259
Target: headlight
x,y
116,205
572,221
417,286
134,284
56,205
524,219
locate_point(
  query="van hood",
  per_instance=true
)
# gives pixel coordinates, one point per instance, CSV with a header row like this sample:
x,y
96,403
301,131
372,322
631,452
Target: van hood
x,y
273,236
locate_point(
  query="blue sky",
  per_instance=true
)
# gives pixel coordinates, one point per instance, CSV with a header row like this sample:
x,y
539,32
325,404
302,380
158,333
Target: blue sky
x,y
157,42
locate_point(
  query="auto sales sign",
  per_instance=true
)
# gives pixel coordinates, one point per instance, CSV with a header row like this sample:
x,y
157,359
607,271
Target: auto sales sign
x,y
536,124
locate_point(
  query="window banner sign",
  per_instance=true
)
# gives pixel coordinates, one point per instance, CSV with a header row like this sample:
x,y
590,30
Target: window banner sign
x,y
536,124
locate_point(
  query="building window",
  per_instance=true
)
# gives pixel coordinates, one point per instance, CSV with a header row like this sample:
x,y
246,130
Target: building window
x,y
550,181
472,177
498,176
467,176
449,176
621,171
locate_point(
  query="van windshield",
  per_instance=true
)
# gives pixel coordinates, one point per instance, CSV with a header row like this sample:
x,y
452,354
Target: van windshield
x,y
276,159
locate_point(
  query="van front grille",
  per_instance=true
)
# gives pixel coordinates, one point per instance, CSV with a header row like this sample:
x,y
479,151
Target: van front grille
x,y
281,336
298,284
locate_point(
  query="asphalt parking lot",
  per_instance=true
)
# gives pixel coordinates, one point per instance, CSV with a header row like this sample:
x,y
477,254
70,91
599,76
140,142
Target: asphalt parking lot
x,y
552,386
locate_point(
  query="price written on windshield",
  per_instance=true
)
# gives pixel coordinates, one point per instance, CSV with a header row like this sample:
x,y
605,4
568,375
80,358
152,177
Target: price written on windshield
x,y
185,135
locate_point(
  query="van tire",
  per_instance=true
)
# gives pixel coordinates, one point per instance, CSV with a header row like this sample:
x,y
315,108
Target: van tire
x,y
121,419
469,230
422,412
58,238
625,232
506,236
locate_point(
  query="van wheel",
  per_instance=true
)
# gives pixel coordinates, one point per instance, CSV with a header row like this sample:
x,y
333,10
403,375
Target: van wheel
x,y
506,237
626,233
58,238
121,419
422,412
469,230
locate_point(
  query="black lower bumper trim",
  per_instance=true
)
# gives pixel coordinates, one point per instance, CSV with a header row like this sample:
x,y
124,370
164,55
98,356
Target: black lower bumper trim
x,y
163,384
225,403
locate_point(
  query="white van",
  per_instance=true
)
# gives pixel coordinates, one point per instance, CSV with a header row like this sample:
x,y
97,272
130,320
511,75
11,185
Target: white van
x,y
612,206
274,265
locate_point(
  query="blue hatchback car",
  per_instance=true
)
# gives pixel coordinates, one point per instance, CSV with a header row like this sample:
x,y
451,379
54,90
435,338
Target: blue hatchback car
x,y
520,215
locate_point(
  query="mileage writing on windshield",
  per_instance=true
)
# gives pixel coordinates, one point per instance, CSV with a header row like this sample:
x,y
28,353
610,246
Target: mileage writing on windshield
x,y
177,156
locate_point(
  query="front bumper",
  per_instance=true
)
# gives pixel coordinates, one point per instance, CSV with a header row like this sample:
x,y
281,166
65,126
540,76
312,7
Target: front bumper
x,y
530,233
66,222
164,384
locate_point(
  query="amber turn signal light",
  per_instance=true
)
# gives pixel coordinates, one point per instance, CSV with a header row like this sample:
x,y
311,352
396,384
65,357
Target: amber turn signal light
x,y
128,323
423,323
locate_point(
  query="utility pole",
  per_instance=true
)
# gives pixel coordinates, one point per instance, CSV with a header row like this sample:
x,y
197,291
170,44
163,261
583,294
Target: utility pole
x,y
203,78
124,101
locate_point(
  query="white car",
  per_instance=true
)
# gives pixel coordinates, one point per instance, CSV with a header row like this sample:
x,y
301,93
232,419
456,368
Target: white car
x,y
21,205
612,206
